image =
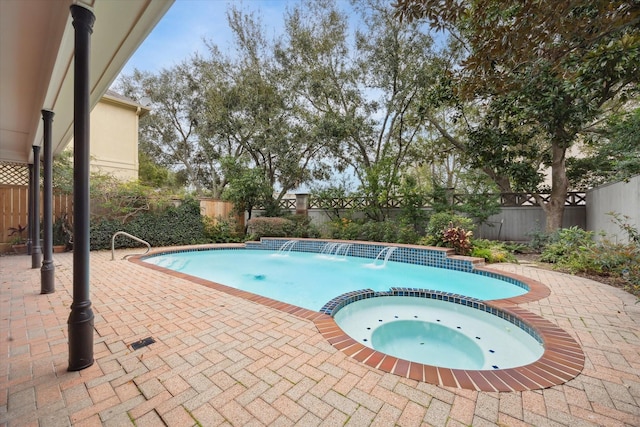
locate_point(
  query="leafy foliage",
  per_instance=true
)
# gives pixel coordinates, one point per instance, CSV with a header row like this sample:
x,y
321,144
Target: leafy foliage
x,y
513,33
62,180
492,251
539,239
622,221
247,188
439,223
62,231
222,230
269,227
153,174
169,132
173,225
612,152
325,197
302,227
414,199
458,238
377,231
546,70
577,251
568,246
361,97
116,200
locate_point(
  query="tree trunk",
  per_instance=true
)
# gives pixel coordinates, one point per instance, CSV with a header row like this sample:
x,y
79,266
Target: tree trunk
x,y
502,181
554,209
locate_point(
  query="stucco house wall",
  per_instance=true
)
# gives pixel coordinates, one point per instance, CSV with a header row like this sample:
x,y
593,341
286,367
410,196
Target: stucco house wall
x,y
114,136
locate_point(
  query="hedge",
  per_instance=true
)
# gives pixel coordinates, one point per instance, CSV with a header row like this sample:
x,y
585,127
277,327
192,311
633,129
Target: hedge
x,y
174,225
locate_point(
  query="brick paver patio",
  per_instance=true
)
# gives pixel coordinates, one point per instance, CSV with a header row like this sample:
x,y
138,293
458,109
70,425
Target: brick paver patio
x,y
223,360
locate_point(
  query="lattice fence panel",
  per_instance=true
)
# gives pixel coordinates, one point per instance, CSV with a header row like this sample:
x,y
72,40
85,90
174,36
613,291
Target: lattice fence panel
x,y
14,174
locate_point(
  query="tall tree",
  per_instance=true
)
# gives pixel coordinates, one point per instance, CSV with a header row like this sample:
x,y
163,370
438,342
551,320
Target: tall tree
x,y
359,90
556,65
168,133
254,110
611,152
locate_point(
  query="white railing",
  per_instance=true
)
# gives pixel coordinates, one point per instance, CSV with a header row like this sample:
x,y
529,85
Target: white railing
x,y
131,236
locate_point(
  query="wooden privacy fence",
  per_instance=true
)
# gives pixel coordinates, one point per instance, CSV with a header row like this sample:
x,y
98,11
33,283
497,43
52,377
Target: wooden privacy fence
x,y
14,206
215,209
14,202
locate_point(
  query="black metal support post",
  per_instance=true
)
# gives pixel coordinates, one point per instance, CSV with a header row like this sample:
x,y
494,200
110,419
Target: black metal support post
x,y
81,318
36,250
30,210
47,279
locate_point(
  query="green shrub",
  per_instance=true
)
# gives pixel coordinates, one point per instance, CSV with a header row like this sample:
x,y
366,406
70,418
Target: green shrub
x,y
457,238
567,246
222,230
388,231
101,232
485,253
577,251
407,234
441,221
174,225
302,227
62,231
493,251
269,227
540,239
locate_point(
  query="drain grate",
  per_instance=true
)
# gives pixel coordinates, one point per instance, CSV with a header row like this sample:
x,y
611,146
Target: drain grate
x,y
142,343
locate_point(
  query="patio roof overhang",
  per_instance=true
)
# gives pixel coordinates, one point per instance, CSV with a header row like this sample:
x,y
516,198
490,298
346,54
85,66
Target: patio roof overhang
x,y
36,63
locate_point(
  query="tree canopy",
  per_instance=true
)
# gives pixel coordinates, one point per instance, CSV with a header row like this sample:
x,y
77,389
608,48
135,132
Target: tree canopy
x,y
436,93
546,71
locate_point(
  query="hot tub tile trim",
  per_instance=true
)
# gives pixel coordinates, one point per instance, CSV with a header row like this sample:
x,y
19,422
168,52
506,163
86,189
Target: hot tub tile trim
x,y
561,361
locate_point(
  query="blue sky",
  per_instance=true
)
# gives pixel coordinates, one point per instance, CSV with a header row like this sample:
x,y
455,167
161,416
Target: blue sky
x,y
181,31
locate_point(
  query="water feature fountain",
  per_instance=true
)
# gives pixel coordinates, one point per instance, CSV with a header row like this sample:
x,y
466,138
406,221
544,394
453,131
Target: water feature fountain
x,y
386,251
335,251
286,247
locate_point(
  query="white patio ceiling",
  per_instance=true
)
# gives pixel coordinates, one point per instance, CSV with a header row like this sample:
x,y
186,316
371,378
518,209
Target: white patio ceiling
x,y
36,63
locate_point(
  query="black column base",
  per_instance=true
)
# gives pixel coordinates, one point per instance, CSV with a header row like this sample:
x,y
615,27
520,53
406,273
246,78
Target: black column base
x,y
80,336
47,278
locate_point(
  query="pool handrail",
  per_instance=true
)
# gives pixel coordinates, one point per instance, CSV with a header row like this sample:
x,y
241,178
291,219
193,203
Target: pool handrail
x,y
131,236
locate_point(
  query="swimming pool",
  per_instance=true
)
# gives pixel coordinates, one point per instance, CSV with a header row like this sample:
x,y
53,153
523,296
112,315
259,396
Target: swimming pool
x,y
561,361
311,280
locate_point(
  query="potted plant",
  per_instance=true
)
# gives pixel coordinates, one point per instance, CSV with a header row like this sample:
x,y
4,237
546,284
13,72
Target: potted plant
x,y
18,243
61,234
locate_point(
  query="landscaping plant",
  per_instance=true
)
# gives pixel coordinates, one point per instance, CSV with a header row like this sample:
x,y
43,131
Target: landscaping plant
x,y
439,223
388,231
458,238
493,251
577,251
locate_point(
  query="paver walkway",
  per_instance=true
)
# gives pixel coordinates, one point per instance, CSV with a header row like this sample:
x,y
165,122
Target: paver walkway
x,y
222,360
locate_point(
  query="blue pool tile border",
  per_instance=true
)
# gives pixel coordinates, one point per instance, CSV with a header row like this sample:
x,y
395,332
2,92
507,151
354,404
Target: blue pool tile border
x,y
408,254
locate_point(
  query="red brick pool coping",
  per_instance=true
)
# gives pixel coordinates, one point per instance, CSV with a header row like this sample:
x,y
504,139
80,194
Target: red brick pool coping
x,y
561,361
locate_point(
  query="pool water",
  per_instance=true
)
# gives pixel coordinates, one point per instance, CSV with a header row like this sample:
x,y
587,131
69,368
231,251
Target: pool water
x,y
438,333
310,280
